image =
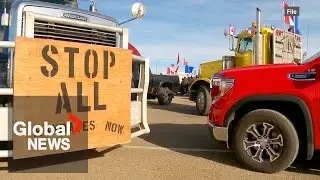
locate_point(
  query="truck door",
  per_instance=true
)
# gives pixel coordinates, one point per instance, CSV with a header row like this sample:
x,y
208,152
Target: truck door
x,y
244,52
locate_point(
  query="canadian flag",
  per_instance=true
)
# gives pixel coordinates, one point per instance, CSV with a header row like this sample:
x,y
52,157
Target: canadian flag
x,y
185,62
287,19
232,30
175,68
168,70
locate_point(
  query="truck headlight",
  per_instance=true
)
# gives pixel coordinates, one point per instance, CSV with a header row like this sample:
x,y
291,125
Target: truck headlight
x,y
226,85
215,82
220,86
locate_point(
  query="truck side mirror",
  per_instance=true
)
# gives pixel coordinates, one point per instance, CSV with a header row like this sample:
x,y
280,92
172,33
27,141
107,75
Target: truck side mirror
x,y
231,43
138,10
225,33
231,40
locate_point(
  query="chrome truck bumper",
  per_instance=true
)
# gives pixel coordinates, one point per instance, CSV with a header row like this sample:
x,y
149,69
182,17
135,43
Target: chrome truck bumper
x,y
218,133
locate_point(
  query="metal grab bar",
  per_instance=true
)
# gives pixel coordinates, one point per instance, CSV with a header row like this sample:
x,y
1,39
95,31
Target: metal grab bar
x,y
7,44
142,96
136,90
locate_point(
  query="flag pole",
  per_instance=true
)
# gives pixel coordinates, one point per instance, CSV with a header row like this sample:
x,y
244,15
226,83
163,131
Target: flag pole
x,y
294,24
282,13
294,33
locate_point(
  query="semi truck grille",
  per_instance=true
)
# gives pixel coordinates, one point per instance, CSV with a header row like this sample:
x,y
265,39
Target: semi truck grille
x,y
50,30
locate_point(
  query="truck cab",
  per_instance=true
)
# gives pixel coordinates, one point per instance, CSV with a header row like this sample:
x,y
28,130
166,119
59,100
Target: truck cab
x,y
278,46
255,45
161,87
64,21
271,118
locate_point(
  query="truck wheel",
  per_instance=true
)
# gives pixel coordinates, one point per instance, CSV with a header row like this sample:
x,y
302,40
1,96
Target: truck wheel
x,y
164,98
265,141
203,101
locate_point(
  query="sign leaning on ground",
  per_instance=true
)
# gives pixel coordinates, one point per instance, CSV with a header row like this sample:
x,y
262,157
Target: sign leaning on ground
x,y
69,96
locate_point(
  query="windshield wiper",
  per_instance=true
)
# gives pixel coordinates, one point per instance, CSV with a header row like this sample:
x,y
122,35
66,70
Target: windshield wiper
x,y
296,62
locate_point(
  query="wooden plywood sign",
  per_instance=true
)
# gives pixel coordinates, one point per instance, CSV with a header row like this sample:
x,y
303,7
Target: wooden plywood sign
x,y
57,82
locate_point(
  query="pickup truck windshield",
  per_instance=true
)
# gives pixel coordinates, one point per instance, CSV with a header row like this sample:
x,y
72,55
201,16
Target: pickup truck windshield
x,y
314,57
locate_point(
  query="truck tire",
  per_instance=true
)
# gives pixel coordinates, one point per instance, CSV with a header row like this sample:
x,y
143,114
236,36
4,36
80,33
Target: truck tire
x,y
265,140
164,98
203,101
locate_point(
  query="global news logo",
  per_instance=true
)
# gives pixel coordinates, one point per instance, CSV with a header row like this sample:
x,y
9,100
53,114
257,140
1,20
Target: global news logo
x,y
61,133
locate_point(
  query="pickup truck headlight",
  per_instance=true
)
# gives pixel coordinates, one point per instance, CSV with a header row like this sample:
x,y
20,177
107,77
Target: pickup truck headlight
x,y
220,86
215,82
226,85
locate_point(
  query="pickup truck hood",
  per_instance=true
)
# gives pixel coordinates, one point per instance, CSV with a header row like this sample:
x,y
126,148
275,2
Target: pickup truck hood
x,y
267,79
263,71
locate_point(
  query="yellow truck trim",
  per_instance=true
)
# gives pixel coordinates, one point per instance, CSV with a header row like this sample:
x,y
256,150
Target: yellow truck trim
x,y
197,80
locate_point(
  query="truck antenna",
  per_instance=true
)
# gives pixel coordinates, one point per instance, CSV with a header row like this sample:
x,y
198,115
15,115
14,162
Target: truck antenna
x,y
307,40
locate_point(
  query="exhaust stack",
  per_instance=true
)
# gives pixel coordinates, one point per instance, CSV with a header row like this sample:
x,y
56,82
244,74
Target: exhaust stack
x,y
258,41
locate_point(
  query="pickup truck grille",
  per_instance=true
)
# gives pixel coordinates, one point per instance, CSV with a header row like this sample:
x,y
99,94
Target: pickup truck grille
x,y
57,31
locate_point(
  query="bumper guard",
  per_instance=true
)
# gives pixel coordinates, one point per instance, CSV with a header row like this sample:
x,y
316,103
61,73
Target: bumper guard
x,y
219,133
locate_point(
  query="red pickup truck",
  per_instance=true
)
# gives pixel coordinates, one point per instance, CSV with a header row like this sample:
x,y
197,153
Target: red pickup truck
x,y
268,114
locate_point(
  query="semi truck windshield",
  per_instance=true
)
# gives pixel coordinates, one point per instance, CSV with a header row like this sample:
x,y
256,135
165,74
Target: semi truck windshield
x,y
245,45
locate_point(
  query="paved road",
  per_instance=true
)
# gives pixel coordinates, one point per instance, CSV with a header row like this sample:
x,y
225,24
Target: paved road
x,y
178,147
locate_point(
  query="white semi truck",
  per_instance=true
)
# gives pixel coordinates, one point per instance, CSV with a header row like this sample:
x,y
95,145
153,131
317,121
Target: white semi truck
x,y
64,21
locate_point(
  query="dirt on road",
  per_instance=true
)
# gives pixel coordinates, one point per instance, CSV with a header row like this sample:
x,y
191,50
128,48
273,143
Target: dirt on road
x,y
178,147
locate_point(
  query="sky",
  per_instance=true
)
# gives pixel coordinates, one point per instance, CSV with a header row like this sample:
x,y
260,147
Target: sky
x,y
194,28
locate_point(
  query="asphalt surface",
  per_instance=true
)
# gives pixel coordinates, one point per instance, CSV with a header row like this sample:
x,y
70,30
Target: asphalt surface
x,y
178,147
